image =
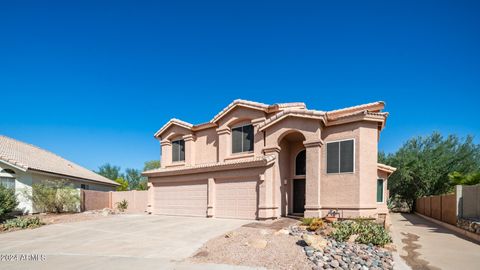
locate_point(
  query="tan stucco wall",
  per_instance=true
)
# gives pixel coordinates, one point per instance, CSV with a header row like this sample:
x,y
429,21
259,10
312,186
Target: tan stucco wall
x,y
206,146
354,194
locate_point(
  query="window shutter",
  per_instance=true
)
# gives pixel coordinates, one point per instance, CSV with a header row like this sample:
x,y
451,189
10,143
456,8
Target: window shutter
x,y
332,157
346,156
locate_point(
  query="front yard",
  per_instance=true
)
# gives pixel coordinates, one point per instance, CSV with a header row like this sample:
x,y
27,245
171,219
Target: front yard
x,y
287,244
38,220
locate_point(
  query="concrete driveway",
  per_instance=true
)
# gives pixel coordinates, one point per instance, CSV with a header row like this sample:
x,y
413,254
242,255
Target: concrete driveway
x,y
426,245
120,242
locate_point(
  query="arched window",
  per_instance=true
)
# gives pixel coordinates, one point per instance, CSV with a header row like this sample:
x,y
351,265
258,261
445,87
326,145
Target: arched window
x,y
10,171
300,163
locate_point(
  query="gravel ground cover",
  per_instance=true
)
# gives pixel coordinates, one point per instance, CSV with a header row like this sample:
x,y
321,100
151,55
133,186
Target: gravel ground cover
x,y
285,244
265,244
326,253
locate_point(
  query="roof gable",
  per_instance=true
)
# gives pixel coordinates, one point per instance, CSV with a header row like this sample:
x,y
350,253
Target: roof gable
x,y
239,103
29,157
173,122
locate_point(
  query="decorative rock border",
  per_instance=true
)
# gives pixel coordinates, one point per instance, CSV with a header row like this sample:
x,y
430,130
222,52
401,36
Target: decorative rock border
x,y
471,225
344,255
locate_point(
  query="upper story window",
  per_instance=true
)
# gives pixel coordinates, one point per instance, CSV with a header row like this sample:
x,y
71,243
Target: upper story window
x,y
340,157
300,163
178,150
242,139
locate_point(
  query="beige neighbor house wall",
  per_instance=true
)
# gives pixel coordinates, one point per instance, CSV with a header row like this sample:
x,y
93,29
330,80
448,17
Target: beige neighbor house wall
x,y
281,131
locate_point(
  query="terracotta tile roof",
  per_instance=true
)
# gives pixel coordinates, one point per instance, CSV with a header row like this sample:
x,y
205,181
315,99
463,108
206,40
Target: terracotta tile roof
x,y
173,121
386,168
284,110
247,103
29,157
291,112
349,114
232,164
371,107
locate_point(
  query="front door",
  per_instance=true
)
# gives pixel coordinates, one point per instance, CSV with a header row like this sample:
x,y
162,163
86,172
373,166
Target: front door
x,y
298,196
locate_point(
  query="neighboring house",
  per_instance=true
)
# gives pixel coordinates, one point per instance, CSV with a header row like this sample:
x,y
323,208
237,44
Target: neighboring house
x,y
22,165
259,161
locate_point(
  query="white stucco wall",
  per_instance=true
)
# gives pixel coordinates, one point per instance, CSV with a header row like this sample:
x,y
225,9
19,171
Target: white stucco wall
x,y
25,180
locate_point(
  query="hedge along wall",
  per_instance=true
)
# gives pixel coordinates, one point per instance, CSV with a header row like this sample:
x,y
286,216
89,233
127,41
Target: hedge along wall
x,y
440,207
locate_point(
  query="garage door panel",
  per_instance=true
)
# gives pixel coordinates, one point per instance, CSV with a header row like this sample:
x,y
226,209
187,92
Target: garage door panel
x,y
236,199
185,198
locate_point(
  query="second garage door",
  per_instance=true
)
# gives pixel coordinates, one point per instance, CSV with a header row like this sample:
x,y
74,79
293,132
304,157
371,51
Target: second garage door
x,y
236,199
183,199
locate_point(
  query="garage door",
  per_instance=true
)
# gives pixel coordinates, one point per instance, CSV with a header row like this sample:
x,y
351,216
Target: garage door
x,y
236,199
181,199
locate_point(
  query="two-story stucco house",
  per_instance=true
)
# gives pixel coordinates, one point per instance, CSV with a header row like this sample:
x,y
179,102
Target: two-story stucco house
x,y
259,161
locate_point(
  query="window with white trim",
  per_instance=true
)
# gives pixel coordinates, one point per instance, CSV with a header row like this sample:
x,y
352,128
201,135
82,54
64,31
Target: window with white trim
x,y
340,156
242,139
178,150
7,182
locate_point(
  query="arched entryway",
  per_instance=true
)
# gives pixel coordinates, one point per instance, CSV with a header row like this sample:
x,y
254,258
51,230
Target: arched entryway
x,y
292,163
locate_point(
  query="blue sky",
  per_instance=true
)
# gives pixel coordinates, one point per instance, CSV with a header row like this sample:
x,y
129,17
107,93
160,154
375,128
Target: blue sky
x,y
93,80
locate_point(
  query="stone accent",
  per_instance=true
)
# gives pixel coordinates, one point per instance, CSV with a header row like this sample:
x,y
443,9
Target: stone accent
x,y
470,224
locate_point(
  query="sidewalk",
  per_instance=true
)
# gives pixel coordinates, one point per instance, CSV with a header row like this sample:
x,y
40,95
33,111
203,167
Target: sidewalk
x,y
426,245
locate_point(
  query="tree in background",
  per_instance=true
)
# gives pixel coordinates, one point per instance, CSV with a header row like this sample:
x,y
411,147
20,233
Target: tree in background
x,y
123,184
152,164
132,179
425,164
109,171
457,178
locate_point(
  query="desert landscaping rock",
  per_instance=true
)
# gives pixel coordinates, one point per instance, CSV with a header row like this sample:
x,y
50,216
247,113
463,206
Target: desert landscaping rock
x,y
258,243
342,255
315,241
281,251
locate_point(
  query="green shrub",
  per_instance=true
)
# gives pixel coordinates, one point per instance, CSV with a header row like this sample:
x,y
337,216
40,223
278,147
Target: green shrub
x,y
313,224
306,221
368,232
8,201
22,223
122,206
54,196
